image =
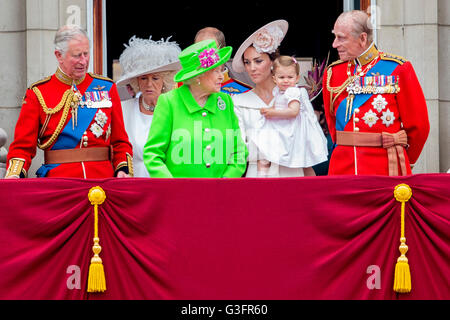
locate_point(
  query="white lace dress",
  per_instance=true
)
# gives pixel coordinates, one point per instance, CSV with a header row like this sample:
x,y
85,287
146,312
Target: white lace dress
x,y
295,143
247,108
137,126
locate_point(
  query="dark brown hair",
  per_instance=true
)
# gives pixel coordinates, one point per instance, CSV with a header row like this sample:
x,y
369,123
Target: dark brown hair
x,y
272,56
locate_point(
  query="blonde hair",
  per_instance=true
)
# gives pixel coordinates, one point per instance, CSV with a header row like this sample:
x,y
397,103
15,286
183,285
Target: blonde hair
x,y
168,83
286,61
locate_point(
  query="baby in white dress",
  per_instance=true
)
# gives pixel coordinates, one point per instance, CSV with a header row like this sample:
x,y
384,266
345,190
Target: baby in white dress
x,y
289,134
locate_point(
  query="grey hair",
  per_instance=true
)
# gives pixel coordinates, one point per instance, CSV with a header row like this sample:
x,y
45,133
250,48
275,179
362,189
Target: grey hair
x,y
360,23
168,83
65,34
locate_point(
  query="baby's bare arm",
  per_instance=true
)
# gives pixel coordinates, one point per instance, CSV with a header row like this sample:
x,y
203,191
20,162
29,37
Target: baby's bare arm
x,y
290,112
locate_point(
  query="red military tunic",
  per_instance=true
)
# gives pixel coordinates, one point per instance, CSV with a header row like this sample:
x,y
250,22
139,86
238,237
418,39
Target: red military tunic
x,y
401,109
38,123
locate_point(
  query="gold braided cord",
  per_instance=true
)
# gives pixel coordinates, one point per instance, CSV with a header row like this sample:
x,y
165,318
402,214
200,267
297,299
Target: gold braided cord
x,y
58,129
66,97
60,125
341,88
65,103
336,90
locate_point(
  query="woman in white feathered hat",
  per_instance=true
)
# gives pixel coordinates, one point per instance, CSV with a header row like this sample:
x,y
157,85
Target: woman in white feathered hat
x,y
148,67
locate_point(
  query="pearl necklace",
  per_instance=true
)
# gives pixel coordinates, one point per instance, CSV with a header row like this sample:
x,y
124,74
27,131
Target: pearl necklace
x,y
147,107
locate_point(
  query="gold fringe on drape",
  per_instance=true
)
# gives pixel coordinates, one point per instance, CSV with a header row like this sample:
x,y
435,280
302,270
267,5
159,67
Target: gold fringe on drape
x,y
96,279
402,278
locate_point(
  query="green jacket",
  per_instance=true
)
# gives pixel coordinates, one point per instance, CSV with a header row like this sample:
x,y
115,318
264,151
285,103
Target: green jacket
x,y
188,141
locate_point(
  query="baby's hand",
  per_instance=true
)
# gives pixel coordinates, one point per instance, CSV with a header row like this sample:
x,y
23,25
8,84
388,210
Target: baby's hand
x,y
266,112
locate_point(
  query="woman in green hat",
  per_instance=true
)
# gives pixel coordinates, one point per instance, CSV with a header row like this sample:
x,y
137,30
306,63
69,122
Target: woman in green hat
x,y
194,132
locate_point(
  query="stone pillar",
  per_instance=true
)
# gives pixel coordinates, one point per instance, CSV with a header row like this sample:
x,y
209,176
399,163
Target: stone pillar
x,y
27,30
444,83
13,66
42,22
411,29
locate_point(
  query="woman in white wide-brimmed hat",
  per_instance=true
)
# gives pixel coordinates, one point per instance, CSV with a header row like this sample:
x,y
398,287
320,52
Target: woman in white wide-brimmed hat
x,y
255,56
148,67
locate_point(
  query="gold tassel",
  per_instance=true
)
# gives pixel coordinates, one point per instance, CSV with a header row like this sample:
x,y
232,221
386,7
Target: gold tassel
x,y
402,279
96,279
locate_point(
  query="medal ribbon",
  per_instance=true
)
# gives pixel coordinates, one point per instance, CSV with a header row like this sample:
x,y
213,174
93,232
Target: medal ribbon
x,y
70,138
385,67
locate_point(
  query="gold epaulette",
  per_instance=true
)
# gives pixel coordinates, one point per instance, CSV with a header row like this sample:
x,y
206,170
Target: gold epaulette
x,y
392,57
335,63
47,79
96,76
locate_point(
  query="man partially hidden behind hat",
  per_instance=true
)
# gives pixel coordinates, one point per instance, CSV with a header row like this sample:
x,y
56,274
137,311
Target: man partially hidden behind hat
x,y
232,83
374,105
74,116
149,67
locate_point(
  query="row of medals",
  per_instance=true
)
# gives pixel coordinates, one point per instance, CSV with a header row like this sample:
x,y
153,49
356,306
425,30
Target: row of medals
x,y
78,101
356,88
390,86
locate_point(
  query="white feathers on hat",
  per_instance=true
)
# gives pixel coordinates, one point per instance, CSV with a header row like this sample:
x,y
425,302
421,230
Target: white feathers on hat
x,y
144,56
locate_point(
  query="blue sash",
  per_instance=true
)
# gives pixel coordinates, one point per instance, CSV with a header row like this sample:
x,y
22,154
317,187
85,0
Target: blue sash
x,y
383,67
234,87
69,138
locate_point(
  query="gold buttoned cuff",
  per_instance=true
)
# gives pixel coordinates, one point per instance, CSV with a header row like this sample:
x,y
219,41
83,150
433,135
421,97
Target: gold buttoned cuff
x,y
130,165
15,168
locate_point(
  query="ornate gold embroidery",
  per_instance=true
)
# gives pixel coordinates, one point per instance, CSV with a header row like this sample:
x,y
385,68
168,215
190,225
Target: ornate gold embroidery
x,y
40,82
130,165
96,76
392,57
61,76
15,168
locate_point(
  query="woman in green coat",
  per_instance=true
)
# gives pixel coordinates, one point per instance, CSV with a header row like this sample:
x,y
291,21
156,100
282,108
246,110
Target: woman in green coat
x,y
194,132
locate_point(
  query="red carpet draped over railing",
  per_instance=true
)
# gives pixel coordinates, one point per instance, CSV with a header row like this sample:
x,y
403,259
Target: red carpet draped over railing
x,y
225,239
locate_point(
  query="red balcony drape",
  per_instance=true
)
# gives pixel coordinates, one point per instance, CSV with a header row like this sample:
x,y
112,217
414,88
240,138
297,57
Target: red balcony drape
x,y
269,239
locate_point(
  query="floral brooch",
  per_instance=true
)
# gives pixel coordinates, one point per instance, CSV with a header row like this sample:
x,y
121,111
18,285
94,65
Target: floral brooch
x,y
208,58
268,39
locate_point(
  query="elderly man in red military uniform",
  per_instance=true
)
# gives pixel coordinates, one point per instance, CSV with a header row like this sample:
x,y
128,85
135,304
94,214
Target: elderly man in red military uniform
x,y
374,105
75,117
